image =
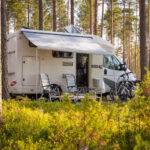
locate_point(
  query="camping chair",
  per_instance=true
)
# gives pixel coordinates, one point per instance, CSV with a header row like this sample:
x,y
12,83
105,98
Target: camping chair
x,y
72,87
51,91
71,84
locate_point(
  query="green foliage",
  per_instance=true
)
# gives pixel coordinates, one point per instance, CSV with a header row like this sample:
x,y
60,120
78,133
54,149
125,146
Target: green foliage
x,y
84,15
61,15
85,125
145,85
117,19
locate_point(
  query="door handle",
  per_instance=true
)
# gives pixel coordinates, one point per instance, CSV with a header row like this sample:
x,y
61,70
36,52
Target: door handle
x,y
105,71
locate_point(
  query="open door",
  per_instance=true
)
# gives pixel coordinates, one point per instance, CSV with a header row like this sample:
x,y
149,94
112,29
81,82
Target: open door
x,y
82,70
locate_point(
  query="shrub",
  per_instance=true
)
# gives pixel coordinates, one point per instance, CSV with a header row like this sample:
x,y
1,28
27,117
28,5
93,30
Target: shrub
x,y
89,125
145,85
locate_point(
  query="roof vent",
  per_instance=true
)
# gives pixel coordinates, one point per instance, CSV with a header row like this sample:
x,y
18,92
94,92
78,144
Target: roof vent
x,y
71,29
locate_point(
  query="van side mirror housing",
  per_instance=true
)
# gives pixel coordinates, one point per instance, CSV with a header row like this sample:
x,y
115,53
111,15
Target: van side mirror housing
x,y
123,66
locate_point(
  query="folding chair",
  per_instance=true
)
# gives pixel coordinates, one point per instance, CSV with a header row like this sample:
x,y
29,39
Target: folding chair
x,y
49,90
72,87
71,84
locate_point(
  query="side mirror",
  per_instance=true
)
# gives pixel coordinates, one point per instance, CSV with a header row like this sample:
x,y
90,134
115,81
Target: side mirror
x,y
123,66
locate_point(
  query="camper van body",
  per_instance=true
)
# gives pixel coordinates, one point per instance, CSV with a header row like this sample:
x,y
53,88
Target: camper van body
x,y
26,62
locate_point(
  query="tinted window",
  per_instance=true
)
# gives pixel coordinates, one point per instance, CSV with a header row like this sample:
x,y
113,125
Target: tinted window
x,y
108,62
116,63
59,54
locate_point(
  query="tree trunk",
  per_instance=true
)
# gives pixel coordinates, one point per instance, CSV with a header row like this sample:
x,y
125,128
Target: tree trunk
x,y
8,18
91,16
28,14
40,15
143,57
72,12
102,20
112,24
149,29
54,15
124,29
129,50
1,116
68,12
136,36
131,54
129,36
95,18
5,93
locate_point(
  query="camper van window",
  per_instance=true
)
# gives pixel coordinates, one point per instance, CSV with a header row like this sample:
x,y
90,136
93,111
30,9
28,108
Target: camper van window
x,y
59,54
116,63
108,62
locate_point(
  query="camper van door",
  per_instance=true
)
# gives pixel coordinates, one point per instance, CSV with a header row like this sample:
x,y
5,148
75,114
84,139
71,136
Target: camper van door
x,y
108,70
112,71
117,69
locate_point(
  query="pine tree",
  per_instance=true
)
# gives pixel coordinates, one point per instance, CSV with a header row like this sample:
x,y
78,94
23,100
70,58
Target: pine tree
x,y
143,56
28,10
5,93
149,29
124,28
102,20
72,12
40,15
68,14
129,40
48,15
91,16
84,16
136,34
95,18
18,14
115,21
112,22
1,116
61,15
54,15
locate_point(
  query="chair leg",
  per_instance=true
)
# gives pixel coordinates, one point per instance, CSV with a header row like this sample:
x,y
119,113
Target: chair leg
x,y
59,95
101,95
60,98
50,98
95,95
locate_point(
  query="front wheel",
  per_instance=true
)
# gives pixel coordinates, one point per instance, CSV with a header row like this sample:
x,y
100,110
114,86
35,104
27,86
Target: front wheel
x,y
132,90
123,97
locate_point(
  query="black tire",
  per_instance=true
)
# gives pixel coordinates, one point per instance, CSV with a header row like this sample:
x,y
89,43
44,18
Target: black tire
x,y
132,92
33,96
123,97
112,94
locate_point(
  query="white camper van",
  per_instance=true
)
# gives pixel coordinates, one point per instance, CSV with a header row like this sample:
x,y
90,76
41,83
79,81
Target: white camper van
x,y
87,57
